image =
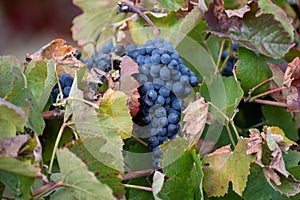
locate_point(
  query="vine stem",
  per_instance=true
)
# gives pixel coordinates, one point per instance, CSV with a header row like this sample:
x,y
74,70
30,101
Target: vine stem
x,y
139,140
127,7
219,56
149,189
61,130
39,192
272,103
137,174
83,100
229,120
260,84
266,93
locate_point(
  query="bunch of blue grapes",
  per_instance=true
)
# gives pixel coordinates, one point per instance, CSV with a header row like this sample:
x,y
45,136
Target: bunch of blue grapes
x,y
228,70
104,60
66,82
164,82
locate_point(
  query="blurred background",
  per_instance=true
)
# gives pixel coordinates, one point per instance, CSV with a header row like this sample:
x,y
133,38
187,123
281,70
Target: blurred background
x,y
27,25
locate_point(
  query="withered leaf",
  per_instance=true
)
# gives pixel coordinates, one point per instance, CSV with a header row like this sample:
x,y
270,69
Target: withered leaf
x,y
128,84
11,146
195,116
292,82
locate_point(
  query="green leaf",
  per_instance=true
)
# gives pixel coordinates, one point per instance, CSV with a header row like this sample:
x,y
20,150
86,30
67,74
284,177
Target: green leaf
x,y
10,68
259,188
103,173
94,129
12,118
15,166
273,40
252,69
267,6
41,79
171,4
77,180
16,186
276,116
20,95
225,166
184,176
114,105
96,16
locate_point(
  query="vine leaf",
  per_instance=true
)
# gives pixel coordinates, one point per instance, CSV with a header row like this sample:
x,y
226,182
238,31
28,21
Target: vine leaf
x,y
225,166
175,5
98,131
292,82
10,146
114,106
268,147
195,116
77,180
128,84
41,79
184,171
15,84
96,16
277,75
103,173
250,30
12,117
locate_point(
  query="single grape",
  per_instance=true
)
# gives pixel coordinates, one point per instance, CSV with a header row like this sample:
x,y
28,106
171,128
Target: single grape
x,y
66,91
173,118
165,73
151,94
164,91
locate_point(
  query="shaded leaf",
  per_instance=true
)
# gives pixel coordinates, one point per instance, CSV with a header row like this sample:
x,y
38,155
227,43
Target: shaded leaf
x,y
16,186
77,180
184,176
195,116
276,116
171,4
103,173
225,166
11,146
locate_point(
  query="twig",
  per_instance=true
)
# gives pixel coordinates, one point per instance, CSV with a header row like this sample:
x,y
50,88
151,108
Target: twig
x,y
219,56
52,114
137,174
260,84
267,102
139,140
127,7
37,193
149,189
230,135
266,93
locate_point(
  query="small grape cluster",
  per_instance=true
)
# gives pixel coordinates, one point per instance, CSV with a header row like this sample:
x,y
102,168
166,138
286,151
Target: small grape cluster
x,y
227,71
164,82
66,82
104,59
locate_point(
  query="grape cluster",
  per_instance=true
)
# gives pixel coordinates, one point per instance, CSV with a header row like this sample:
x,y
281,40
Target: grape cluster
x,y
227,71
104,59
164,82
66,82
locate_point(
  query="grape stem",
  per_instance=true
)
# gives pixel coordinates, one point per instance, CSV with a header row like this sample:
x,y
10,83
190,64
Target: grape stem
x,y
137,174
266,93
149,189
127,7
39,192
260,84
52,114
139,140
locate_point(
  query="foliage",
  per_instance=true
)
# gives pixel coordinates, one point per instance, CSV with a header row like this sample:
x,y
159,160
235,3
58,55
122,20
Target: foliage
x,y
86,146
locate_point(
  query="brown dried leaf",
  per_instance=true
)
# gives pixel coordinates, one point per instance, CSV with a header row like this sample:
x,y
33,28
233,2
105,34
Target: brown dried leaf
x,y
11,146
128,84
292,81
195,116
218,20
